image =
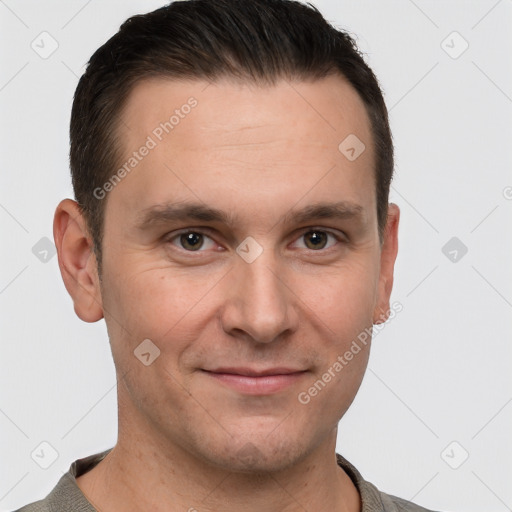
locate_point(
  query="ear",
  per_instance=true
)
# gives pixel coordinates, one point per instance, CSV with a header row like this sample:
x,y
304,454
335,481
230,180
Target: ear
x,y
77,261
389,250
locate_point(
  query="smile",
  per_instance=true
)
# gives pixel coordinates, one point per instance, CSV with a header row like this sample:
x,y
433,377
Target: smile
x,y
256,384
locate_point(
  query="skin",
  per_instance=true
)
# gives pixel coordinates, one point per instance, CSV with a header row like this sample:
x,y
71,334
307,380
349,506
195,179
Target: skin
x,y
257,152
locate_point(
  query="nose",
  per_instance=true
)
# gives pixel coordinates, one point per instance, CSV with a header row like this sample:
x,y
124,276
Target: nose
x,y
260,303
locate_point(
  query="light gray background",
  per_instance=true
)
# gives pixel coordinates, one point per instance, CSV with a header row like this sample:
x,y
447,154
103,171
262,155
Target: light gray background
x,y
439,372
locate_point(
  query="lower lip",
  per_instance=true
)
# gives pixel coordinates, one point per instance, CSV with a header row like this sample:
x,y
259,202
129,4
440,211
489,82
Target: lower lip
x,y
263,385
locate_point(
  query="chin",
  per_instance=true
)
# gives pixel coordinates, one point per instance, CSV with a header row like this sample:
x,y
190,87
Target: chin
x,y
257,454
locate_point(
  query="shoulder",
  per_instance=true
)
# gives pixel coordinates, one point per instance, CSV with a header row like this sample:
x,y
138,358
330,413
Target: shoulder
x,y
38,506
66,495
395,504
374,500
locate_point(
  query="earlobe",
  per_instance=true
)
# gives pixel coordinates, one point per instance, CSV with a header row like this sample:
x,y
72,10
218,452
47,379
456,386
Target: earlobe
x,y
389,252
77,261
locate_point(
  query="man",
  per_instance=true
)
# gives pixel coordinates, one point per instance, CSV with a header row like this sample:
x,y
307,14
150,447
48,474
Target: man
x,y
231,163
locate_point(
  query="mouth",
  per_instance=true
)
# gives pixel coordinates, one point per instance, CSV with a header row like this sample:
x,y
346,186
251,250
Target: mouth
x,y
256,382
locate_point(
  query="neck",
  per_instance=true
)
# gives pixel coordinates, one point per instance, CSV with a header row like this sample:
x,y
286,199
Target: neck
x,y
143,472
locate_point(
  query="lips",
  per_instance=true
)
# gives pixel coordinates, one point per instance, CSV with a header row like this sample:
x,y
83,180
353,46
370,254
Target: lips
x,y
251,381
249,372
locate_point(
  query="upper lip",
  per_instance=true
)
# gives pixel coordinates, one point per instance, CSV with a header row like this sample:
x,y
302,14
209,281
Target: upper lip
x,y
251,372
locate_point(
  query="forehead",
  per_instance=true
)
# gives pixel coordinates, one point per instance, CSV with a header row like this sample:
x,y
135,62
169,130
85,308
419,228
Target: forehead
x,y
329,106
228,142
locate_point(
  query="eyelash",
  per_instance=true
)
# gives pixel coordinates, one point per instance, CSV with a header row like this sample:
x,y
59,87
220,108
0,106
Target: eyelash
x,y
207,233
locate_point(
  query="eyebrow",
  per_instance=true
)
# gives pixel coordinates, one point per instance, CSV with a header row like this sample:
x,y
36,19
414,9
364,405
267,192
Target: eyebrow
x,y
186,211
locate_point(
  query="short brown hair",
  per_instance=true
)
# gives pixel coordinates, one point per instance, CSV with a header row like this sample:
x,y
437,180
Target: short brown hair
x,y
253,40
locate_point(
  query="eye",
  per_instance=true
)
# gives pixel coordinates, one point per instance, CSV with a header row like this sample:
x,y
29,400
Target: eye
x,y
197,241
192,241
316,239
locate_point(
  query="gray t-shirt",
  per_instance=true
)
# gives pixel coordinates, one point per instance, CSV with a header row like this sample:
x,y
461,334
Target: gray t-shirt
x,y
66,496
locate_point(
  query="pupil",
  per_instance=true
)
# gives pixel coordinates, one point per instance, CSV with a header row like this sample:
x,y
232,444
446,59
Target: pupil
x,y
189,240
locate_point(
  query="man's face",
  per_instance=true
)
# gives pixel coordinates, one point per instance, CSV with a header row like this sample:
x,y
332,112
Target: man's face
x,y
294,296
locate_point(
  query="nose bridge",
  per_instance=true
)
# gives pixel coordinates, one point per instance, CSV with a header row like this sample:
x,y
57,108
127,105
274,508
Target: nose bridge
x,y
260,304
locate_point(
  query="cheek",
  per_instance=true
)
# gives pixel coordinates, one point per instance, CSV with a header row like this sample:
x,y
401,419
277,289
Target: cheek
x,y
342,309
159,304
343,300
153,302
